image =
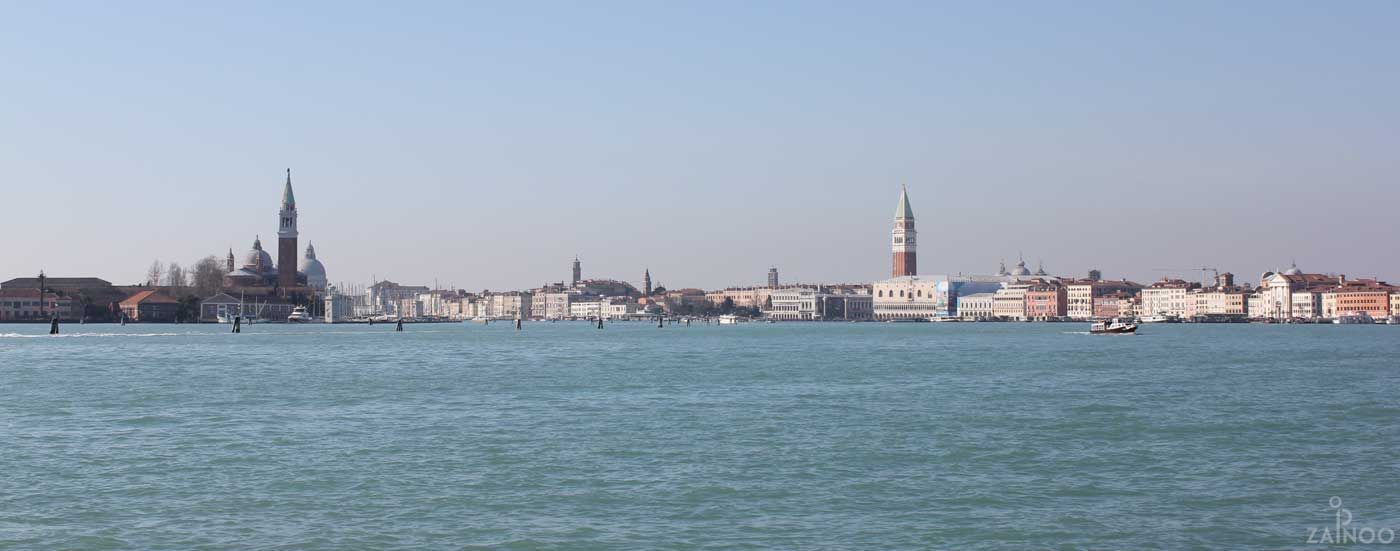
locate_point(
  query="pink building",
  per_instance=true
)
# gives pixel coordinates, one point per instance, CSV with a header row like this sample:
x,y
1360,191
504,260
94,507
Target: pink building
x,y
1046,302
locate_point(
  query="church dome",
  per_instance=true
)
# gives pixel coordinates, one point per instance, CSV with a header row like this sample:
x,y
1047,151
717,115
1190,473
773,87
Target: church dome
x,y
315,272
257,260
1293,270
1021,269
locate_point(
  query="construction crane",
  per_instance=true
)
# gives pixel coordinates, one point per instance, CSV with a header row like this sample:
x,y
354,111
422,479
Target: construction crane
x,y
1214,274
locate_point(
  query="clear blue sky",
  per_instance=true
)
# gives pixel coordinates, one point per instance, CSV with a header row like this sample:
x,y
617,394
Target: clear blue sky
x,y
485,145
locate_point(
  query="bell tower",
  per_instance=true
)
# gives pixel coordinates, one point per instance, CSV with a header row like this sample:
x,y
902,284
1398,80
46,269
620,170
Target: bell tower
x,y
902,238
287,238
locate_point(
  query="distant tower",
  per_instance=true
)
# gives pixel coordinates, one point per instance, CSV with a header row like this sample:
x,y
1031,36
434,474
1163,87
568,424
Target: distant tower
x,y
646,282
228,262
772,278
578,271
1095,275
287,238
1225,280
903,246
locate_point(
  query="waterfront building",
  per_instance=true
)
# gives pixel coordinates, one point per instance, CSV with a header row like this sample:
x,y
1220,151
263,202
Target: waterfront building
x,y
1120,304
911,297
977,306
773,278
586,309
1306,305
1221,303
1395,303
1274,298
619,308
679,298
903,245
817,303
1166,298
1009,302
555,305
222,305
68,285
337,307
1080,295
1367,296
386,298
1045,301
28,304
150,306
742,297
507,305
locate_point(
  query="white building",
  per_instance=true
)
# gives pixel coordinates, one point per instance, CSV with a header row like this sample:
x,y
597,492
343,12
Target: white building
x,y
585,309
1009,302
911,297
555,304
508,305
1166,298
978,306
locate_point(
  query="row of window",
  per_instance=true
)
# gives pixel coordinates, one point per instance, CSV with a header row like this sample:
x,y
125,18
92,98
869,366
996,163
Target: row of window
x,y
881,293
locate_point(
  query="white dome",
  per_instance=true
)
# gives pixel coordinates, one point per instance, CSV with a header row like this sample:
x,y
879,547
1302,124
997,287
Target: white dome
x,y
257,259
314,270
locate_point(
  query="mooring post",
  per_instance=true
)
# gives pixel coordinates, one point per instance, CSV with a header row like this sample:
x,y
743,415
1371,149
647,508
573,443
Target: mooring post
x,y
399,326
53,327
238,324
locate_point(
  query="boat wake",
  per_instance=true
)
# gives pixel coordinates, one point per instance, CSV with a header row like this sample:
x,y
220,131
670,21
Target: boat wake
x,y
85,335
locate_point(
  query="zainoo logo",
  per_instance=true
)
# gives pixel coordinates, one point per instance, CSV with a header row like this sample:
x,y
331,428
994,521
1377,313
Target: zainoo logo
x,y
1341,531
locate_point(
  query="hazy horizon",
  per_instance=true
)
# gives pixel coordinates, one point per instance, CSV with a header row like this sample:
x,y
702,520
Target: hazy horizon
x,y
485,146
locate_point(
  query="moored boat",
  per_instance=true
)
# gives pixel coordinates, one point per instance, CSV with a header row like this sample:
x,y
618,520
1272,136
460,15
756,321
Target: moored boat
x,y
299,315
1354,318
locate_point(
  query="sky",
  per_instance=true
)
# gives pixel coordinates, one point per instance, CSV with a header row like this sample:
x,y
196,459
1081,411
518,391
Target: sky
x,y
484,145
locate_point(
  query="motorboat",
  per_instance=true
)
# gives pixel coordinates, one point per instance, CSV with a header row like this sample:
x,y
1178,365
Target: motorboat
x,y
299,315
1160,318
1354,318
728,319
1114,327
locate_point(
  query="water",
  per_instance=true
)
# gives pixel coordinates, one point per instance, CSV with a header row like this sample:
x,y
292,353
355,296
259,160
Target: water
x,y
759,436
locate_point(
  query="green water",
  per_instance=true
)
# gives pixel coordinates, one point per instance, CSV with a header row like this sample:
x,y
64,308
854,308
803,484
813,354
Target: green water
x,y
758,436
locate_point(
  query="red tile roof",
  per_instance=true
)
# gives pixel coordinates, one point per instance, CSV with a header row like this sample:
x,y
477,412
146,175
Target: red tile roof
x,y
148,297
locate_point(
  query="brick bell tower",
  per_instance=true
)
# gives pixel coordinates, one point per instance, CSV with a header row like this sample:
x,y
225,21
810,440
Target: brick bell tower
x,y
287,238
902,238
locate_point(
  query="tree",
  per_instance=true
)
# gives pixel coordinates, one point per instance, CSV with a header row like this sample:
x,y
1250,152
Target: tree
x,y
175,276
207,276
727,307
153,273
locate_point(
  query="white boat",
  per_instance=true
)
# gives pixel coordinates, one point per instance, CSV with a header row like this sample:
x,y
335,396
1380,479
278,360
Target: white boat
x,y
1114,327
729,319
224,318
1159,318
1354,318
299,315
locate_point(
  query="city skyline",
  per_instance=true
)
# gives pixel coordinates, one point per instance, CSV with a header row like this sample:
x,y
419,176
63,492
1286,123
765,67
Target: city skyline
x,y
485,155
